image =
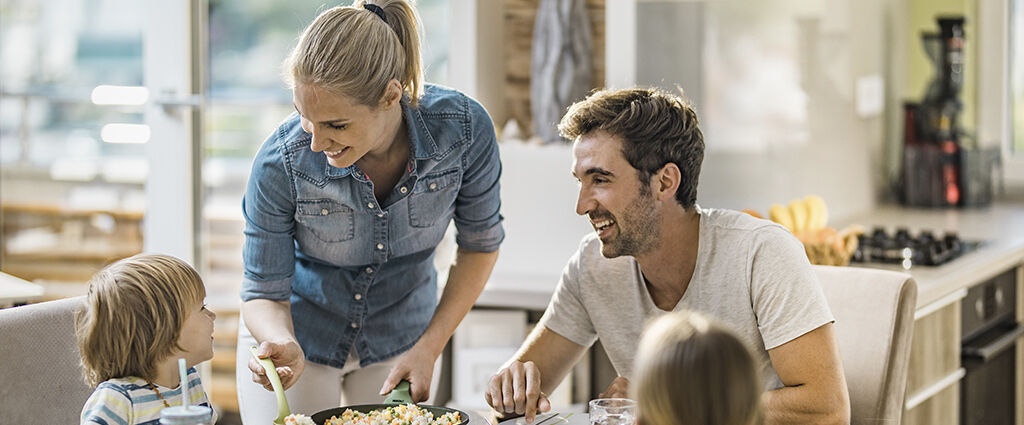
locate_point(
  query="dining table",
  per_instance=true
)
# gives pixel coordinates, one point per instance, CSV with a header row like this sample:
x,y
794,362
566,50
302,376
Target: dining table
x,y
549,418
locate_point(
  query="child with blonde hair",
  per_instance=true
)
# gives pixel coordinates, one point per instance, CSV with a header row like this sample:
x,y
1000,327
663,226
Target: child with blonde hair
x,y
143,313
690,371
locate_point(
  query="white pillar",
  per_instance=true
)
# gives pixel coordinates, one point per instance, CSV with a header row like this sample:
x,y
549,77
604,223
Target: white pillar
x,y
170,225
476,64
620,44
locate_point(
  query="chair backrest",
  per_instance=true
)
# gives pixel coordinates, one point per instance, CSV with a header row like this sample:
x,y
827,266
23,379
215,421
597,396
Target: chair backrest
x,y
874,311
41,382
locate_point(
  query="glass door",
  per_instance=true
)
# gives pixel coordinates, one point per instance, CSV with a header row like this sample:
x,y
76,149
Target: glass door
x,y
73,139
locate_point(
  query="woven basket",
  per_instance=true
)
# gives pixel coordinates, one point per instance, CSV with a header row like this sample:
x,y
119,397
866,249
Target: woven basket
x,y
827,247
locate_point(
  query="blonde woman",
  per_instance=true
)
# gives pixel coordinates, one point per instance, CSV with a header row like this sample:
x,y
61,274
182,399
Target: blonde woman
x,y
691,371
142,314
346,202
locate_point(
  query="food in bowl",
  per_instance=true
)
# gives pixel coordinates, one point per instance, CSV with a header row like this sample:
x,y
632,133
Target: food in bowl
x,y
298,419
403,414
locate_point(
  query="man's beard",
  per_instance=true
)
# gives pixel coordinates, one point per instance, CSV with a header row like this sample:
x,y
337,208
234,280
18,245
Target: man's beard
x,y
637,230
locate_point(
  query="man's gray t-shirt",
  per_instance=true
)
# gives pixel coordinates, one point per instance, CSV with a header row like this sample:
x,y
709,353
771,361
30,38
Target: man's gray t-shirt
x,y
751,275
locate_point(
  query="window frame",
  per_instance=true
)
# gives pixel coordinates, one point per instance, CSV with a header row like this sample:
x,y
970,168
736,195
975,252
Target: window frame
x,y
995,104
171,69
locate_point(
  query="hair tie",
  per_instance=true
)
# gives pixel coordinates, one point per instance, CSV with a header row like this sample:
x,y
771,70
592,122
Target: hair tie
x,y
377,10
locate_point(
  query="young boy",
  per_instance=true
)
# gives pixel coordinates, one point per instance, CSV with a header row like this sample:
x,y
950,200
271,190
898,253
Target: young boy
x,y
141,315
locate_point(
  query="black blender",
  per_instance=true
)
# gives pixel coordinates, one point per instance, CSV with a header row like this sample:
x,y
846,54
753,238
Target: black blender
x,y
939,168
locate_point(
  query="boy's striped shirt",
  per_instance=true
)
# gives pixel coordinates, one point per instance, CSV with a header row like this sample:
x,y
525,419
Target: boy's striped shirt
x,y
131,401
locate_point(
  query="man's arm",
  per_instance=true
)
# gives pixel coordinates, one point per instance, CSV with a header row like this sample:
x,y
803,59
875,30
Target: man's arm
x,y
520,387
815,387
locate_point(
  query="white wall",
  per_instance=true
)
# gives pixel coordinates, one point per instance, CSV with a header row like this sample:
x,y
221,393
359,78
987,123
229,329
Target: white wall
x,y
765,144
774,84
542,229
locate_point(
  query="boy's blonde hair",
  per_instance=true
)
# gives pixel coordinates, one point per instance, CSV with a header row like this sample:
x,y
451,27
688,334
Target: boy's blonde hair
x,y
134,314
350,51
691,371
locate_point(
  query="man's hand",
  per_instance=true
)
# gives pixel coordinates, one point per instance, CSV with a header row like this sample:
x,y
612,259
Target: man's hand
x,y
288,358
516,390
415,366
619,388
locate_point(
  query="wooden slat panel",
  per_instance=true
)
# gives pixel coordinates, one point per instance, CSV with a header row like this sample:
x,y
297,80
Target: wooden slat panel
x,y
935,350
519,18
943,409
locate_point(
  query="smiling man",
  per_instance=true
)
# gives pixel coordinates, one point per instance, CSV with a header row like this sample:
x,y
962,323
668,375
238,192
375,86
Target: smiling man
x,y
637,155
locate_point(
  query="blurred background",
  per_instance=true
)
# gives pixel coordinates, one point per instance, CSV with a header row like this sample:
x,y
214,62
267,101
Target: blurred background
x,y
129,126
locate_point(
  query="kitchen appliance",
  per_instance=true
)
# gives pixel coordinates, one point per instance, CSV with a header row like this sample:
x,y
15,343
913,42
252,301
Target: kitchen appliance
x,y
942,166
990,334
925,248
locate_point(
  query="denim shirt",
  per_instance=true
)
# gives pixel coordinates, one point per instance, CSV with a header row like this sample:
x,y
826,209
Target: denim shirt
x,y
358,273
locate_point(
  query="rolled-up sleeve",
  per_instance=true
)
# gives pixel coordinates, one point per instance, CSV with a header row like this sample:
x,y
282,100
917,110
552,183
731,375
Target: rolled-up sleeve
x,y
268,254
478,205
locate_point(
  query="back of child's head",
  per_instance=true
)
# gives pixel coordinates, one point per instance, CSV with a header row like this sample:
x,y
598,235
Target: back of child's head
x,y
134,315
691,371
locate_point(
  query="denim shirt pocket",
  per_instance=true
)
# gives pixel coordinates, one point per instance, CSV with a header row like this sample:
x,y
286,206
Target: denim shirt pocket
x,y
433,197
328,220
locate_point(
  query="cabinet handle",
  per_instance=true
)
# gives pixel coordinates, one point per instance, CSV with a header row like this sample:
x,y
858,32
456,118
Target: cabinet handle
x,y
935,388
994,348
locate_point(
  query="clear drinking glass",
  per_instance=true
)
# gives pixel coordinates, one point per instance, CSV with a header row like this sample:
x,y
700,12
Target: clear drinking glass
x,y
612,411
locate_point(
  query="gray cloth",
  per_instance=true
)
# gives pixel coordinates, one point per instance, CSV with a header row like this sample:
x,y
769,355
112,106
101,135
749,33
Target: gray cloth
x,y
751,275
560,69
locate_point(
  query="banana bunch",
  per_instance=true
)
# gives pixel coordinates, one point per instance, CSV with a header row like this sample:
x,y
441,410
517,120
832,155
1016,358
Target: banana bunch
x,y
808,219
801,215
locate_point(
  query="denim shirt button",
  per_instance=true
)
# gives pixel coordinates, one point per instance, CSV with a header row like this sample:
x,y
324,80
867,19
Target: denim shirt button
x,y
370,205
403,190
380,246
354,325
380,215
324,211
433,186
369,270
358,297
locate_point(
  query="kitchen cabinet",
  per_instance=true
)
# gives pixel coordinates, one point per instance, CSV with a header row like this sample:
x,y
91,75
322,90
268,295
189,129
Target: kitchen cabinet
x,y
934,371
1020,347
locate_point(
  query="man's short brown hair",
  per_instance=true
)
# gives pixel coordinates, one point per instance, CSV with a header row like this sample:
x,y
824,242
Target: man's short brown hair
x,y
655,128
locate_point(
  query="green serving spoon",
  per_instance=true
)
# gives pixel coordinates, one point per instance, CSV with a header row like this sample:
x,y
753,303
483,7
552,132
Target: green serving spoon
x,y
275,381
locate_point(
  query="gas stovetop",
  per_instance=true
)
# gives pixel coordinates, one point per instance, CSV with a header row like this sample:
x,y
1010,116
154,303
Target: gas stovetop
x,y
925,248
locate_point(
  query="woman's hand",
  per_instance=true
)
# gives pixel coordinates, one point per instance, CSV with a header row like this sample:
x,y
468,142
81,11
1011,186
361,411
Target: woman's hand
x,y
415,366
288,358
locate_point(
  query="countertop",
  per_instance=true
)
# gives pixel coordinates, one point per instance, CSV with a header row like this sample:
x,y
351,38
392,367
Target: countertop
x,y
1000,227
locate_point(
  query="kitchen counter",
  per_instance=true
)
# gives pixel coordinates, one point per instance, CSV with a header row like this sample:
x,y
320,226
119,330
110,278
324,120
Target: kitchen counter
x,y
1000,227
